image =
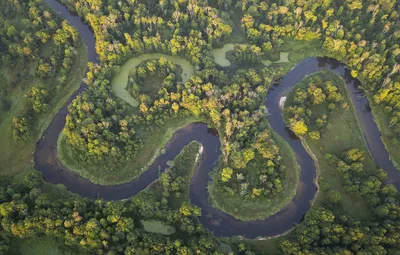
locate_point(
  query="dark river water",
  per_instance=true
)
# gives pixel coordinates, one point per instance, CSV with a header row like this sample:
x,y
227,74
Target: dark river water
x,y
219,223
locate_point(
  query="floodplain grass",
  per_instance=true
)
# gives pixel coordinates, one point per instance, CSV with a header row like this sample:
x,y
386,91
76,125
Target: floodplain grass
x,y
42,245
184,164
153,143
342,132
259,209
17,156
238,32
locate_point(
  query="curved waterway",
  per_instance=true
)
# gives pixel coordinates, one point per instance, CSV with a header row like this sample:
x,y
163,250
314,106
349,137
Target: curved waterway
x,y
219,223
120,81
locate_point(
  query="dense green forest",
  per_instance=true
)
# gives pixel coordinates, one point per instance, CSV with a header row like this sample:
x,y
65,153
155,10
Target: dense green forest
x,y
110,141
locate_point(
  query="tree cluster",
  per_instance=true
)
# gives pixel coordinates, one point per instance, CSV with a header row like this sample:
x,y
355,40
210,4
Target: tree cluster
x,y
97,226
326,232
34,46
364,34
318,89
165,70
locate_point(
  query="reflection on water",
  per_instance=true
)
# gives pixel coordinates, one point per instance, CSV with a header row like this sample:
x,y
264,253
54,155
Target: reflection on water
x,y
291,134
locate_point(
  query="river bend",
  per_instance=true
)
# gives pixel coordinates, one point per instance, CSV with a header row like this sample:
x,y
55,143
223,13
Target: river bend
x,y
221,224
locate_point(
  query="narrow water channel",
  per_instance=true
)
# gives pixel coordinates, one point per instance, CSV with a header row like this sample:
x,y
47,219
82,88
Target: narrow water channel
x,y
219,223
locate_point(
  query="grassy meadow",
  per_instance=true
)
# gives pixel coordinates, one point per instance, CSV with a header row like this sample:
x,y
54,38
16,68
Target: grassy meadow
x,y
42,245
16,156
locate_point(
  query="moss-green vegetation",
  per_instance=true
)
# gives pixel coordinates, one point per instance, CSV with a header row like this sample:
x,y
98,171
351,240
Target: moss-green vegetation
x,y
226,55
220,54
156,226
15,156
256,208
342,132
261,247
41,246
154,141
120,80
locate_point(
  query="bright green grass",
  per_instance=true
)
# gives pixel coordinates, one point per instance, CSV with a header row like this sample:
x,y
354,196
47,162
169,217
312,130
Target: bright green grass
x,y
220,54
36,246
157,226
154,141
342,132
283,57
256,209
221,58
17,156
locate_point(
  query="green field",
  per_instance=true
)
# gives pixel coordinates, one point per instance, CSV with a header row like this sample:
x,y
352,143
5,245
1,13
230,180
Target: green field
x,y
17,156
298,50
43,245
37,246
260,247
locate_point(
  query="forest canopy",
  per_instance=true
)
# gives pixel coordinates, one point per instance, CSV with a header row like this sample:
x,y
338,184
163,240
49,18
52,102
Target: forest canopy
x,y
103,133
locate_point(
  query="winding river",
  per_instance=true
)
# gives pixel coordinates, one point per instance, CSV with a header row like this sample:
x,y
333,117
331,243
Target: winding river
x,y
219,223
